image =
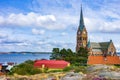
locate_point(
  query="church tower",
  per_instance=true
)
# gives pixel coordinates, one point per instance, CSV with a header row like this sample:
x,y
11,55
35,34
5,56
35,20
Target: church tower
x,y
81,34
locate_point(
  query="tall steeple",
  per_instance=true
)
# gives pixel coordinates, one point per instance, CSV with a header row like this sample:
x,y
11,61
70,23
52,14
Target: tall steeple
x,y
81,33
81,23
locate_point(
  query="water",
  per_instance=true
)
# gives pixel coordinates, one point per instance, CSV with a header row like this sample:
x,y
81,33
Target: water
x,y
19,57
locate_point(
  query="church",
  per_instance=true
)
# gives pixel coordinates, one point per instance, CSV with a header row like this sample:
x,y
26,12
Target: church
x,y
99,52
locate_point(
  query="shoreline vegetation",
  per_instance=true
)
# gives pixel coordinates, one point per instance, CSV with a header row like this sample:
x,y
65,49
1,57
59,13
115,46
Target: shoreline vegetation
x,y
78,69
89,72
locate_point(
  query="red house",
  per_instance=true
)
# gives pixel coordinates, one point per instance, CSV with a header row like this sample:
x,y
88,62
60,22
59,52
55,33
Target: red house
x,y
51,64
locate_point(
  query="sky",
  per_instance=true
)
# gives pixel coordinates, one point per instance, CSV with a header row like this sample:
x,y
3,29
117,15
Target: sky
x,y
41,25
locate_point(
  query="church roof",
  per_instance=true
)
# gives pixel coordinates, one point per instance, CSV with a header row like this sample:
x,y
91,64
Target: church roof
x,y
101,45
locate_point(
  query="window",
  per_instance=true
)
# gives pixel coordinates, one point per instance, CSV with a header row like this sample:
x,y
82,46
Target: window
x,y
80,38
84,38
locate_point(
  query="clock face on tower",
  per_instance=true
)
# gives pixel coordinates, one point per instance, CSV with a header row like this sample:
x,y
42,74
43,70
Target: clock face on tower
x,y
79,32
84,32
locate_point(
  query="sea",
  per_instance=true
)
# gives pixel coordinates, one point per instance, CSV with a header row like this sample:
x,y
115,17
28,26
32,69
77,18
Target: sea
x,y
21,57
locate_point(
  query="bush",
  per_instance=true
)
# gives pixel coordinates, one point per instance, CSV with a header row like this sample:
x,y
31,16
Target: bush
x,y
117,65
25,68
76,69
55,71
68,68
80,69
45,70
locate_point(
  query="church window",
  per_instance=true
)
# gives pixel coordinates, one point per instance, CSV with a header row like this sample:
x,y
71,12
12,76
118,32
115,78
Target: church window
x,y
80,38
84,38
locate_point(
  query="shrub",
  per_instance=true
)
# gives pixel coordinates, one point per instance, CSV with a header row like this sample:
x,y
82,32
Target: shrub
x,y
80,69
25,68
117,65
55,71
68,68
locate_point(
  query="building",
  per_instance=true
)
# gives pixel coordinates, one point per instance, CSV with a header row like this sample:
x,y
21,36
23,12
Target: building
x,y
99,52
82,37
51,64
6,67
102,48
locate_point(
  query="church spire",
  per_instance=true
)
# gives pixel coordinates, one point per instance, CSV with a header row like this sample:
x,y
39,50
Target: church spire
x,y
81,33
81,23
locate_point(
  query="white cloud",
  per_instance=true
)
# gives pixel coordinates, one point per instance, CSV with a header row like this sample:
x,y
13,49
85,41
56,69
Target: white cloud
x,y
49,45
41,42
93,24
1,20
110,27
2,35
38,32
117,47
64,33
32,19
96,38
23,44
99,24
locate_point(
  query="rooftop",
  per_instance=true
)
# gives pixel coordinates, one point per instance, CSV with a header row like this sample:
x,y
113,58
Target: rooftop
x,y
103,60
51,63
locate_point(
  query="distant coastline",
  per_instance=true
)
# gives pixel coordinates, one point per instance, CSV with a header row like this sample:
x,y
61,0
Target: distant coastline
x,y
26,52
32,52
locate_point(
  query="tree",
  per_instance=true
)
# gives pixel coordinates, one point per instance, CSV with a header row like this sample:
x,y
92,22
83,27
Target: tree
x,y
82,56
70,52
68,55
55,50
55,54
63,53
82,52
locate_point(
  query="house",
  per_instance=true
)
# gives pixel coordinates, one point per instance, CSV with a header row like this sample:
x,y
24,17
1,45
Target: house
x,y
6,67
51,64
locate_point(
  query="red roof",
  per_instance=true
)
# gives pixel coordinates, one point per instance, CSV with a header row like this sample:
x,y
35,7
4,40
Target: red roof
x,y
55,64
103,60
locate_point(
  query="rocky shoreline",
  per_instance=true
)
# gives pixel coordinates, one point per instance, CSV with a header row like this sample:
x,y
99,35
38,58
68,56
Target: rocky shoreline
x,y
94,72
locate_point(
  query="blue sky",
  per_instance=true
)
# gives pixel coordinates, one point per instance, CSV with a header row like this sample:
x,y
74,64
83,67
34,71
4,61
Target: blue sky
x,y
40,25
